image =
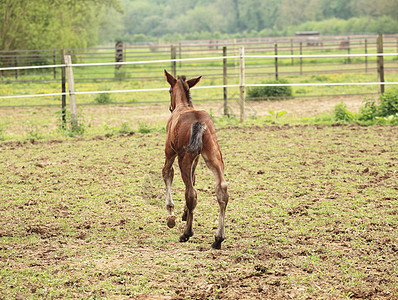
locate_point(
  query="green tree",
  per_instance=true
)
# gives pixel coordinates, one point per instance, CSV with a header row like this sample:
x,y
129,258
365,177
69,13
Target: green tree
x,y
341,9
295,12
41,24
257,14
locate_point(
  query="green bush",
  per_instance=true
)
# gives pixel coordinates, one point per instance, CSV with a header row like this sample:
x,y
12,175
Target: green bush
x,y
267,92
341,114
125,128
388,104
368,112
103,98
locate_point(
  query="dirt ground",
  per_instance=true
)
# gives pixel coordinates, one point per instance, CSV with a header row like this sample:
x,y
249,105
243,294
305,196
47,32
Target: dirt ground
x,y
306,106
295,108
312,215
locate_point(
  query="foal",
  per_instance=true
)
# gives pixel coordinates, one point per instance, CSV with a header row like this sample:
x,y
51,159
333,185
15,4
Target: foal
x,y
191,132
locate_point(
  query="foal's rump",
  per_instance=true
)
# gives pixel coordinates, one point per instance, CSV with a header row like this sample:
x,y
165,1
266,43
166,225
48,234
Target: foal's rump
x,y
193,129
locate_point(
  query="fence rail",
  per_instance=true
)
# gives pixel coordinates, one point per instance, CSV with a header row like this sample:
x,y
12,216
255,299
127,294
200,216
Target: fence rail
x,y
291,45
198,59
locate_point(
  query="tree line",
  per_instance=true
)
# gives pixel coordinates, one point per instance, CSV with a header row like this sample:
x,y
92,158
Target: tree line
x,y
175,18
42,24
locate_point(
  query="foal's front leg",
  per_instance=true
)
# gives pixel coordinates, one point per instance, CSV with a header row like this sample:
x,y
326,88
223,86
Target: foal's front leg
x,y
168,174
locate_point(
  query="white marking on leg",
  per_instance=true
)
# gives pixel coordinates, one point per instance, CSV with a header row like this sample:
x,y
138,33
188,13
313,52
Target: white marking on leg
x,y
168,174
169,200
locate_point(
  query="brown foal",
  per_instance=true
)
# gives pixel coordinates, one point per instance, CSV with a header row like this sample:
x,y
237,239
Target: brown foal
x,y
191,132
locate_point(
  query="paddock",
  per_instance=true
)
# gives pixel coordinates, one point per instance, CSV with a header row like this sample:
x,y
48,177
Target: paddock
x,y
312,214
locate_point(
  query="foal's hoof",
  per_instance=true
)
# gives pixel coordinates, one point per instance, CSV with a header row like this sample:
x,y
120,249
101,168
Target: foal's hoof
x,y
184,238
217,244
171,221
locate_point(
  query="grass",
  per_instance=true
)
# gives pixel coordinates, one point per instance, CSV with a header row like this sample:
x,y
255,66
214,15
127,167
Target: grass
x,y
312,214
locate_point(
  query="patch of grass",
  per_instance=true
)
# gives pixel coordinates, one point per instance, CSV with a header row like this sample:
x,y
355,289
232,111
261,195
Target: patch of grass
x,y
341,113
65,126
2,133
103,98
320,78
125,128
300,91
146,128
270,92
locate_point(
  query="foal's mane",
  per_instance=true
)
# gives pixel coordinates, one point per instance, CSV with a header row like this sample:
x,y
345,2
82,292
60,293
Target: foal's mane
x,y
186,90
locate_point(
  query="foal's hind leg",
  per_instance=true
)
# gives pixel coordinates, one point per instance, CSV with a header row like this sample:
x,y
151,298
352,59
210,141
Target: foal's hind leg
x,y
187,163
168,174
215,163
195,163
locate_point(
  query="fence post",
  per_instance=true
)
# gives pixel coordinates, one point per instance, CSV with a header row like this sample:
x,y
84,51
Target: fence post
x,y
179,54
380,62
348,50
71,88
54,63
173,62
235,60
366,58
242,84
63,87
292,51
16,65
224,61
396,46
301,59
276,62
118,54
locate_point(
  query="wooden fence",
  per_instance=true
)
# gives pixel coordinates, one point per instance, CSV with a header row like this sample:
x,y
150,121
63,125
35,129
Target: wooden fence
x,y
242,62
187,49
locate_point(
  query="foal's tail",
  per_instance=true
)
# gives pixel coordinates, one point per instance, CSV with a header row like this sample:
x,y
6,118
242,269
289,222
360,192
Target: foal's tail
x,y
195,141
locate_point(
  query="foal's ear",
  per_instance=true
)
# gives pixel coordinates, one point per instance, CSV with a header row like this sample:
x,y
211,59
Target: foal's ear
x,y
170,78
192,82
